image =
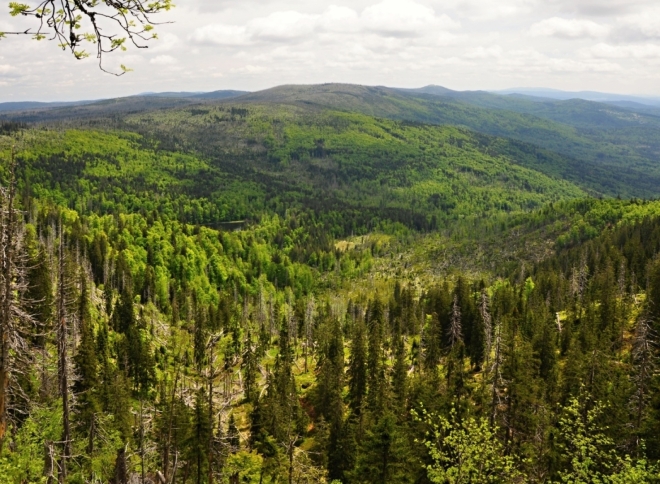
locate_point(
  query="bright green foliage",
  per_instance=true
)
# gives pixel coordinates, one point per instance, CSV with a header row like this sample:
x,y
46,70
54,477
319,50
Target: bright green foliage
x,y
592,455
466,451
247,465
27,464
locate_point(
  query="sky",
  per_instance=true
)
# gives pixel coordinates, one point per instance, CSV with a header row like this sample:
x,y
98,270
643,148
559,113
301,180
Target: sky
x,y
601,45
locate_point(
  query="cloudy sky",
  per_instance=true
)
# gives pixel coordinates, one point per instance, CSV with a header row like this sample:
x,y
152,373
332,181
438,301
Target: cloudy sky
x,y
605,45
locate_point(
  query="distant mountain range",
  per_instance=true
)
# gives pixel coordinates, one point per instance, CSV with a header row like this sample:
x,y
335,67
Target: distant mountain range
x,y
22,106
31,105
225,94
601,97
645,104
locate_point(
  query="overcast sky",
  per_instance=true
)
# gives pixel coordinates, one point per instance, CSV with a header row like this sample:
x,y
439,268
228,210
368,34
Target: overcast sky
x,y
605,45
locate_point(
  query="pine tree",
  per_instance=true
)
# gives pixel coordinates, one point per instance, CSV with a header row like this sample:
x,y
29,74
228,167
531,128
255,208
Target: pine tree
x,y
399,377
86,364
250,370
200,333
357,372
383,455
330,385
433,343
196,444
123,314
376,384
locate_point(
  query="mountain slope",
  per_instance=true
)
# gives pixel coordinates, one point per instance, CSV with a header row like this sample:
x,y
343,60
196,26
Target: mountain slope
x,y
240,162
614,146
605,149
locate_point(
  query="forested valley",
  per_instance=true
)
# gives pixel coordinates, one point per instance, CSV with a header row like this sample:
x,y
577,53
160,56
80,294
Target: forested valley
x,y
281,291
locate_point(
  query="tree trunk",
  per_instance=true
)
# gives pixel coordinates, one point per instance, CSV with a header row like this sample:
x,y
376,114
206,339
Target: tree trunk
x,y
49,467
211,419
168,443
63,363
121,468
6,266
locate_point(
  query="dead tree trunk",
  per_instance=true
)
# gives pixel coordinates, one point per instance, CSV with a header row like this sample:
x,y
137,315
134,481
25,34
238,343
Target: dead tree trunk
x,y
62,358
121,468
496,377
170,424
211,419
49,467
6,272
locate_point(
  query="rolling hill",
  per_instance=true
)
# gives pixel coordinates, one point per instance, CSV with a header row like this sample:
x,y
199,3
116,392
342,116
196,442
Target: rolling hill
x,y
607,149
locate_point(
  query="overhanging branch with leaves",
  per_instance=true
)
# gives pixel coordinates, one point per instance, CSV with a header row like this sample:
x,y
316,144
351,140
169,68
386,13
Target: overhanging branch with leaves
x,y
109,25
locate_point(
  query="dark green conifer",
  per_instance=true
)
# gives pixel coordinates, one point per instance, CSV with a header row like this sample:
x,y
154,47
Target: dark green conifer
x,y
357,371
86,362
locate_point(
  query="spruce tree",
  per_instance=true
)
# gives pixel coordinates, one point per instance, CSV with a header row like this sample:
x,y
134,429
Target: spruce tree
x,y
376,384
86,363
383,455
357,371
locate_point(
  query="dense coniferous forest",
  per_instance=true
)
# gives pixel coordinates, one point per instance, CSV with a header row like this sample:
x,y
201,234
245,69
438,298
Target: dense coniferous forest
x,y
274,290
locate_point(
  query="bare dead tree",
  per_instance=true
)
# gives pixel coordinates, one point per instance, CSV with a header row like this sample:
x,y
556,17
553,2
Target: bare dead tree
x,y
213,372
7,250
484,311
170,425
497,382
309,324
49,464
62,356
15,354
109,25
455,329
645,364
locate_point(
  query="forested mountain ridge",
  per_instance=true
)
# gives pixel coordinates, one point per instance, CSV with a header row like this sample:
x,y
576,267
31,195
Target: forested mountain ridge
x,y
595,134
236,162
403,303
618,148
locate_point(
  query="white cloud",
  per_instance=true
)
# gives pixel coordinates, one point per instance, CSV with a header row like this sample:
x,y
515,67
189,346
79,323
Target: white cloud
x,y
389,18
165,43
248,69
282,26
607,51
481,52
276,27
404,18
163,60
569,28
484,10
221,34
6,69
532,61
339,19
598,8
645,24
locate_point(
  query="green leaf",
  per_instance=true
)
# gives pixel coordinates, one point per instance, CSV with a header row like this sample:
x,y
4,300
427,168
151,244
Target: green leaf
x,y
16,8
